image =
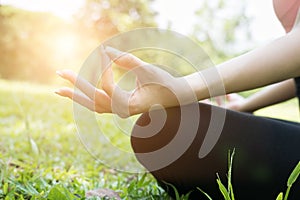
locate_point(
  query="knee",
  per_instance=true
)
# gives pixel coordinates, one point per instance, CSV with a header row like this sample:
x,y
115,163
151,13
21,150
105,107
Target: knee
x,y
153,130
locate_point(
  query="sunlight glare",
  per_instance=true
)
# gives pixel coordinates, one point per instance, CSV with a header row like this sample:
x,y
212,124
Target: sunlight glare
x,y
65,45
61,8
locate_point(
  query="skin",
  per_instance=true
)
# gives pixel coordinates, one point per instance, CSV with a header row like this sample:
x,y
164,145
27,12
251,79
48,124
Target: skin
x,y
271,95
276,62
278,92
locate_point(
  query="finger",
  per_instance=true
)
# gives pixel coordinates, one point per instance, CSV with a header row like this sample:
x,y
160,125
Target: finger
x,y
82,84
107,82
138,83
233,97
77,97
124,59
105,59
219,101
206,101
80,99
68,75
228,97
120,103
103,101
107,78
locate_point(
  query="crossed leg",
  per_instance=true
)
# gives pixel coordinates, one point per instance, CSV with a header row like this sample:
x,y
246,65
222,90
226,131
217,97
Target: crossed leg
x,y
266,151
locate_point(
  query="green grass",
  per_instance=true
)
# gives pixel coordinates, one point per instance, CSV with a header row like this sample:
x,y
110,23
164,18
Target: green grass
x,y
41,156
288,110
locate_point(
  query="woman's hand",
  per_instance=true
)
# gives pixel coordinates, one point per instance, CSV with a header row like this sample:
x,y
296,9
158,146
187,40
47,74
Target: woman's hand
x,y
232,101
154,87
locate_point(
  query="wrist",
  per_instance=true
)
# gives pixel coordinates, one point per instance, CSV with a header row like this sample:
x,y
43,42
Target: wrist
x,y
246,106
197,85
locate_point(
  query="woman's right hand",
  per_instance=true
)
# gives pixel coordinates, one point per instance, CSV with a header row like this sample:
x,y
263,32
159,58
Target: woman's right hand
x,y
232,101
235,102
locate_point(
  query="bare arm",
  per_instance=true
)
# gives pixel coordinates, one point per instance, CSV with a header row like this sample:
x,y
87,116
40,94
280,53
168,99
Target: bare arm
x,y
268,96
278,61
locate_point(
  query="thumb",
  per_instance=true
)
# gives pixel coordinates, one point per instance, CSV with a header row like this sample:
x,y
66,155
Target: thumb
x,y
107,78
124,59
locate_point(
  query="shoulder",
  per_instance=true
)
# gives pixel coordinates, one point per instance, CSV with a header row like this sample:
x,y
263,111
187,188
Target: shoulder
x,y
286,11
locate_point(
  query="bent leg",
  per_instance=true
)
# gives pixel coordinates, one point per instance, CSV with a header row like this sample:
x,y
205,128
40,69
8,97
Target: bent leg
x,y
266,151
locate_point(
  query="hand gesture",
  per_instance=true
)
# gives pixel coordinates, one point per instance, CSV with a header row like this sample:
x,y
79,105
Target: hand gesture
x,y
154,86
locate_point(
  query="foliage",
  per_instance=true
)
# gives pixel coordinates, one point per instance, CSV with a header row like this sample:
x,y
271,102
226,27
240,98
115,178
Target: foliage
x,y
109,17
228,192
21,41
220,28
57,166
291,180
42,158
35,44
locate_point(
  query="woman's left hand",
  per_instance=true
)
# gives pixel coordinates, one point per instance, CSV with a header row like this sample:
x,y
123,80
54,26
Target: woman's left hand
x,y
154,86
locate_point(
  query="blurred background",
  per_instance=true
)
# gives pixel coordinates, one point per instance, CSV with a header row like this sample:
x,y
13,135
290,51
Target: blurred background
x,y
41,152
39,36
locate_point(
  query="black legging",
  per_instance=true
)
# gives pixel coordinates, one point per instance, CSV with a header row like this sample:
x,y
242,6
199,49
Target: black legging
x,y
266,151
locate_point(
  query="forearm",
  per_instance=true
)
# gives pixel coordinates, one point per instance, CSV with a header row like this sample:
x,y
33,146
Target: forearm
x,y
270,95
278,61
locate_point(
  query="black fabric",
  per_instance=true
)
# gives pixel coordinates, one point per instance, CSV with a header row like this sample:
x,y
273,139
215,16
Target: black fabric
x,y
297,80
266,151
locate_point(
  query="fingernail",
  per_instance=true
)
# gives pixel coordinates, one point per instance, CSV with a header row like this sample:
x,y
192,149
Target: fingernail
x,y
59,73
113,52
102,47
102,51
57,91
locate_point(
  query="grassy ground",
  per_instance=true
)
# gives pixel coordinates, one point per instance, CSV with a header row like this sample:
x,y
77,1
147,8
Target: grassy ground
x,y
286,111
41,156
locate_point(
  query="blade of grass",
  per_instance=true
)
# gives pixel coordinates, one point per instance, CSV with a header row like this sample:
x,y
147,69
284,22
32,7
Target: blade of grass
x,y
230,163
294,175
292,179
177,197
31,142
223,189
280,196
204,193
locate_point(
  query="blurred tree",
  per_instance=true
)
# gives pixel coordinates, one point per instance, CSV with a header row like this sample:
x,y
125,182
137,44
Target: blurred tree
x,y
27,44
101,19
109,17
222,26
19,45
33,44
